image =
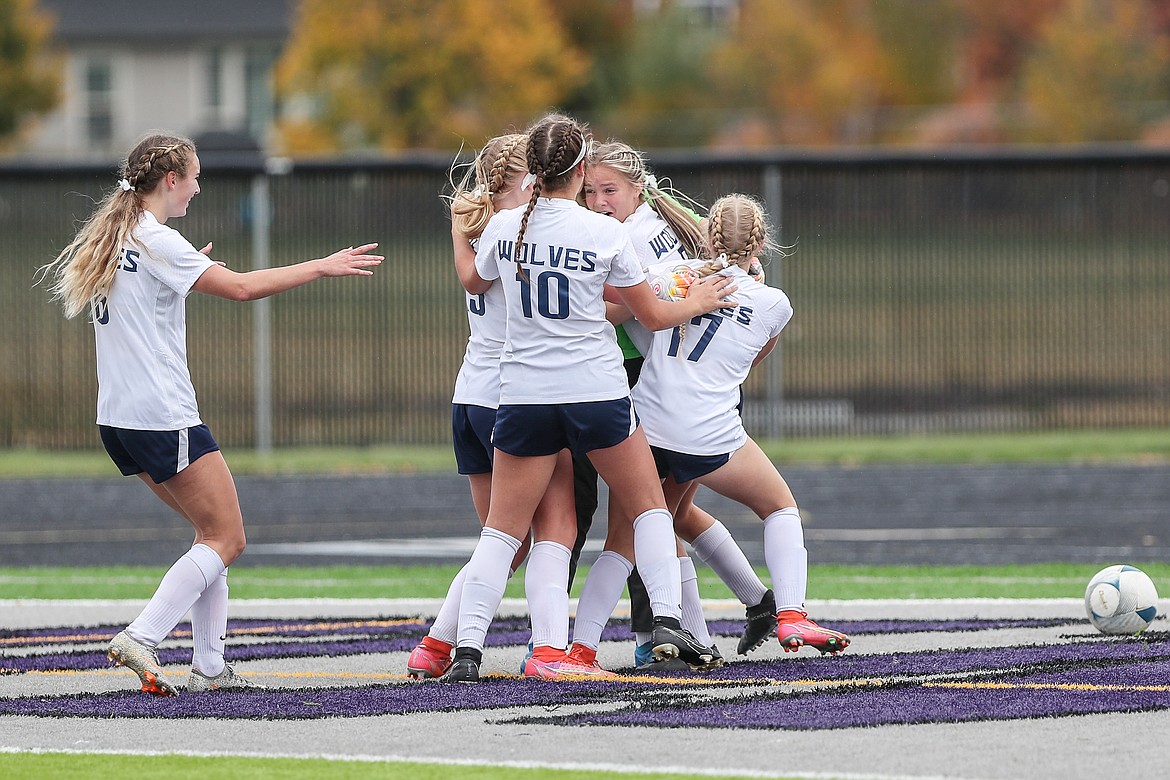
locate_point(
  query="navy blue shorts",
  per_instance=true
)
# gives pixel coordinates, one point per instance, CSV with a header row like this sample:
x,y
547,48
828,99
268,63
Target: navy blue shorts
x,y
528,430
161,454
471,433
684,467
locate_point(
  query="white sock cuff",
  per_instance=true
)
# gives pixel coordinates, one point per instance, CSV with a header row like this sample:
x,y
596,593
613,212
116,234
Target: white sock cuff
x,y
786,522
709,541
687,568
617,558
549,547
511,541
651,513
208,562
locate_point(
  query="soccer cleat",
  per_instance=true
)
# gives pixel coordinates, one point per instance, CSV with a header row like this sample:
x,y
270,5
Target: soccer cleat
x,y
761,622
671,640
583,663
795,630
461,670
644,654
141,659
430,658
524,660
228,678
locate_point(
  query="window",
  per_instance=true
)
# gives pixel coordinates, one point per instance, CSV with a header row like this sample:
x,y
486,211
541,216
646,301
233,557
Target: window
x,y
99,111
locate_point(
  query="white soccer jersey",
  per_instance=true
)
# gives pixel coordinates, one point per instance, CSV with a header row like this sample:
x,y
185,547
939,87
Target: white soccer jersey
x,y
653,238
656,243
559,347
140,331
478,382
688,390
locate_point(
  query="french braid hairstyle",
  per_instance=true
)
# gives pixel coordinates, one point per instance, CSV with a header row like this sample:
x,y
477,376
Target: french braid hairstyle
x,y
556,144
737,231
667,202
498,167
84,270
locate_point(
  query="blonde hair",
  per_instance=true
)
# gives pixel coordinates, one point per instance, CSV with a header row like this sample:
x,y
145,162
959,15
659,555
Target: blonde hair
x,y
84,270
497,168
737,231
554,143
669,204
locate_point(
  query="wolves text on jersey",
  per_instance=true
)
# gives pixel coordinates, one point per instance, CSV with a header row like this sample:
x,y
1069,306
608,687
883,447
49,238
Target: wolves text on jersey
x,y
566,257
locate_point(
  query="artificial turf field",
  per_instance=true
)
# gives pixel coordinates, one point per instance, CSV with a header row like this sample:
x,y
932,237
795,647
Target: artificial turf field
x,y
926,689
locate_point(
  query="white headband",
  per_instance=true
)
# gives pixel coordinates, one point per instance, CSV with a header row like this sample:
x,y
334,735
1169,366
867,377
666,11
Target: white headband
x,y
580,157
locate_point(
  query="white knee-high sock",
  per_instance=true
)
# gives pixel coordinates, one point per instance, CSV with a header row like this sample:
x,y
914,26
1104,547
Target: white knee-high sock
x,y
657,562
209,616
486,576
180,587
546,585
599,595
446,625
786,557
692,605
716,548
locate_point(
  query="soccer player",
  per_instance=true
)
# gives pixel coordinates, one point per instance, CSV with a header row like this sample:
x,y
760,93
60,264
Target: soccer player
x,y
494,184
133,273
663,231
699,367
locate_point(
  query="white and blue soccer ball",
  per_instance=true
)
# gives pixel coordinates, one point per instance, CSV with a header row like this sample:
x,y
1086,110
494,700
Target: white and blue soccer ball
x,y
1121,600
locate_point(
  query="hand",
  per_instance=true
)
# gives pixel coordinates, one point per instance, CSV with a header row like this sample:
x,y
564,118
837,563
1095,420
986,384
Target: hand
x,y
711,292
353,261
756,270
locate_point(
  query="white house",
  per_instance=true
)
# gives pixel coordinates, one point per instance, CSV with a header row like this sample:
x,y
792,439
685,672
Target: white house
x,y
186,66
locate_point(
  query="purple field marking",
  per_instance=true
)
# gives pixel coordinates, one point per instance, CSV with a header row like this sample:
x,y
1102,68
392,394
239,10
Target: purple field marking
x,y
1022,696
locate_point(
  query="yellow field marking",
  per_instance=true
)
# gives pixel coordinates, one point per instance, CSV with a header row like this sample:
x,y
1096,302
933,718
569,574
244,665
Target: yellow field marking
x,y
1047,686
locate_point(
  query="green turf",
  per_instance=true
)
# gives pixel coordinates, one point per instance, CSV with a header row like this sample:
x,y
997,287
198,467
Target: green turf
x,y
1049,580
1123,445
77,766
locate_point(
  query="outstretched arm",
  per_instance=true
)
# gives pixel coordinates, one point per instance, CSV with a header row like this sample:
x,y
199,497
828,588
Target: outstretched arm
x,y
705,295
253,285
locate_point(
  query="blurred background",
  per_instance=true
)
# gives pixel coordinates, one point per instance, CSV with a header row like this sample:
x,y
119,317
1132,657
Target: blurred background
x,y
976,192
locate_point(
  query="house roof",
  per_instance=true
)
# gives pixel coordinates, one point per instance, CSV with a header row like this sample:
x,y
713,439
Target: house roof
x,y
138,20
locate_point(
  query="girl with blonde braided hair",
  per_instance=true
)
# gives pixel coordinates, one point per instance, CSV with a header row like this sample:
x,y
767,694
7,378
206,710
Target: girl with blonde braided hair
x,y
493,183
562,386
665,231
699,378
133,274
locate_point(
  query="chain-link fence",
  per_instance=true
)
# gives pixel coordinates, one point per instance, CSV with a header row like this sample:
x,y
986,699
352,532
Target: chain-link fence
x,y
963,291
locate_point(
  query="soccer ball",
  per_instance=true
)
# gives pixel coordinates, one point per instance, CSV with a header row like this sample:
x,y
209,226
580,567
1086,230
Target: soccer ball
x,y
673,284
1121,600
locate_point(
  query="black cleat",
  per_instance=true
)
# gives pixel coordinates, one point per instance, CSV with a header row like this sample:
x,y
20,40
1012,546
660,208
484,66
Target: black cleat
x,y
761,624
671,640
462,670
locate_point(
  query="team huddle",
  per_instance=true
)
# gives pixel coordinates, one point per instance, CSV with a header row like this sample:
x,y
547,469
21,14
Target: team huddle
x,y
599,304
557,240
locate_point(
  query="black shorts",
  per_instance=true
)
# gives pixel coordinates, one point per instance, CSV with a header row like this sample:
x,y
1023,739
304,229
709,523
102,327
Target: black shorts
x,y
528,430
161,454
684,467
471,434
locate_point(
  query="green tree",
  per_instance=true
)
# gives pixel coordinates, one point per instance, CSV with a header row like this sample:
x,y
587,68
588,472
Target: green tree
x,y
392,74
666,82
28,79
1097,67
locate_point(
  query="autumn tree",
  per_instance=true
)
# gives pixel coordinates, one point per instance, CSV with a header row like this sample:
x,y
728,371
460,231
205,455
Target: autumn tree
x,y
392,74
28,82
816,71
1096,66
